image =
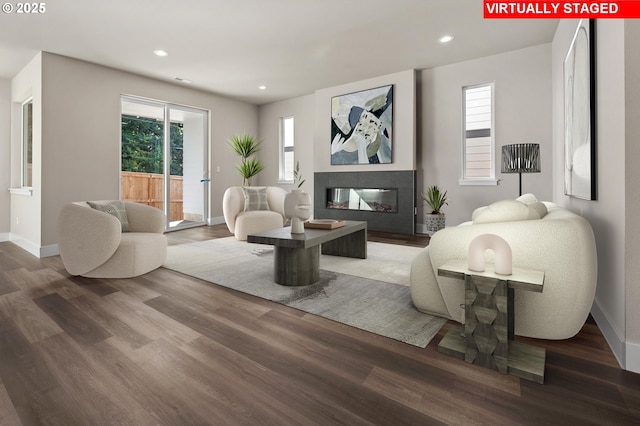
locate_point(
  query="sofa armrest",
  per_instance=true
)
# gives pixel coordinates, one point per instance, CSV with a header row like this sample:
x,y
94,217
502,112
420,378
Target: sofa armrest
x,y
86,238
143,218
232,205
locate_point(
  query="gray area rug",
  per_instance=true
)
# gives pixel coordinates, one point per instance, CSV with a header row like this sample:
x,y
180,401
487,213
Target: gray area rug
x,y
346,292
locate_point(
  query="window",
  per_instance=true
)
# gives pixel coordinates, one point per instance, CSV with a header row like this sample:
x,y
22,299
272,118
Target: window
x,y
286,149
27,144
478,140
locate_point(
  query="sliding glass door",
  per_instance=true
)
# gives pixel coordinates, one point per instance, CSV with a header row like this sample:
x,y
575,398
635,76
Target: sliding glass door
x,y
164,159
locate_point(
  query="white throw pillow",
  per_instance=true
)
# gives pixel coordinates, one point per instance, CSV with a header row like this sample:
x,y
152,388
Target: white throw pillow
x,y
506,211
540,208
533,203
527,199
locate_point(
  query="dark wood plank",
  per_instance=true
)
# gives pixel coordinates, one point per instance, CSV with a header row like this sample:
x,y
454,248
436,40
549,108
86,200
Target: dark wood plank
x,y
91,393
14,257
34,324
150,390
24,374
305,372
94,285
6,286
111,323
78,325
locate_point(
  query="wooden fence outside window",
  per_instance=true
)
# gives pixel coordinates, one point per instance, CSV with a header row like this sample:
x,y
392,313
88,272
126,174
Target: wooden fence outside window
x,y
147,188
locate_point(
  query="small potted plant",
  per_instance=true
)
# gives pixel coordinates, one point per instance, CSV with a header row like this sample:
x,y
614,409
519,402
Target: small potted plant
x,y
435,199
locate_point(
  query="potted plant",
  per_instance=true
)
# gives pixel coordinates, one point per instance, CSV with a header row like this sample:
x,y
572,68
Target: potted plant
x,y
246,146
435,199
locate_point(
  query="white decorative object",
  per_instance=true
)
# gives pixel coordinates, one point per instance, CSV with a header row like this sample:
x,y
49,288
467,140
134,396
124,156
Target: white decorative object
x,y
503,255
297,207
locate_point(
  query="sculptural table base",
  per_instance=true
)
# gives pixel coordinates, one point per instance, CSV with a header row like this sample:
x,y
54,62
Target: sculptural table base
x,y
488,335
294,266
297,256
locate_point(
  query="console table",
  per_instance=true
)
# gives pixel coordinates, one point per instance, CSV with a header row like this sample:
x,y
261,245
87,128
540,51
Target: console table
x,y
488,335
297,256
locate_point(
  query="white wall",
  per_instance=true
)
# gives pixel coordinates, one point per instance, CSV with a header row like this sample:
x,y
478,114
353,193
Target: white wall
x,y
632,194
302,109
26,223
522,82
80,147
612,215
5,158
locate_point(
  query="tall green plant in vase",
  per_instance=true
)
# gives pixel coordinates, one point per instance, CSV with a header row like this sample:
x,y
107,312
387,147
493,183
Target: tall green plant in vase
x,y
246,146
435,199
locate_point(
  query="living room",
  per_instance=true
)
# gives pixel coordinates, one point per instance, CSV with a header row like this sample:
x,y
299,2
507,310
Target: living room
x,y
76,145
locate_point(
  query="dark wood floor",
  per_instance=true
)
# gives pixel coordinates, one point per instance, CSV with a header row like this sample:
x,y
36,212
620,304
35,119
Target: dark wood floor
x,y
172,350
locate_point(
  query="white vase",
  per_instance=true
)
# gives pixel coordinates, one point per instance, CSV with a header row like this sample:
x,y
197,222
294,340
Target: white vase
x,y
297,207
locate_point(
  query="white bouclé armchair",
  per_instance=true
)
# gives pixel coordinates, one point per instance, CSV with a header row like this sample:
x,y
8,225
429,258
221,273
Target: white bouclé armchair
x,y
244,217
92,242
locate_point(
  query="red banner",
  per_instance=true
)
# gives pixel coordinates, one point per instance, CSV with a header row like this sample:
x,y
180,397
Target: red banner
x,y
624,9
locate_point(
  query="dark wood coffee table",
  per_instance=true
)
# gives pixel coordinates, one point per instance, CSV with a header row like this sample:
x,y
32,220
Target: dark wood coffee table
x,y
297,256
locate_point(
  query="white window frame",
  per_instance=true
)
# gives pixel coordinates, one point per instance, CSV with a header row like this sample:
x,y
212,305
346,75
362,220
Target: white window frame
x,y
466,180
23,143
285,175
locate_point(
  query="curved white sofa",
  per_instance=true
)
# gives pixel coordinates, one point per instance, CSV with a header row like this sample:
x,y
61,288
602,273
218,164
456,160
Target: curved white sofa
x,y
242,222
560,243
92,244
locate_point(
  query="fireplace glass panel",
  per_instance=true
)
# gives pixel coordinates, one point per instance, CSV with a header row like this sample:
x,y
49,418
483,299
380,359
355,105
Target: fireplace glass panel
x,y
363,199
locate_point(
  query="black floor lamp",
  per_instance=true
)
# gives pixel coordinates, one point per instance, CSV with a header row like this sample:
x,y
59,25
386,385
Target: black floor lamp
x,y
521,158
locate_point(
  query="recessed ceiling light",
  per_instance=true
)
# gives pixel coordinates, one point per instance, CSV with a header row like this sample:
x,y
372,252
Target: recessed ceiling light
x,y
262,87
445,39
160,52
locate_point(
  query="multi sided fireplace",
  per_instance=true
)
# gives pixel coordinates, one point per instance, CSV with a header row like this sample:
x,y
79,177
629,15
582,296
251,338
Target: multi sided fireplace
x,y
385,200
363,199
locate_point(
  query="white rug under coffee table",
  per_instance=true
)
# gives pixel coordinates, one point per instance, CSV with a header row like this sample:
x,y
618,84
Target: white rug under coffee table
x,y
371,294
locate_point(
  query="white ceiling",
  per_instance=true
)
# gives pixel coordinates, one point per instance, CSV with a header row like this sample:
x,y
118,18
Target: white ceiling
x,y
291,46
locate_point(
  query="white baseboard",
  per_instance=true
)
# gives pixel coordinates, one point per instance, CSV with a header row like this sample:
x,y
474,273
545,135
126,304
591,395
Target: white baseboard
x,y
611,335
5,236
50,250
34,249
633,357
215,220
27,246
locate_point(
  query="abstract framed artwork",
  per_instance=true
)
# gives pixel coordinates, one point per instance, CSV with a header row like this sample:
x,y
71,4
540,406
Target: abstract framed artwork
x,y
580,113
362,127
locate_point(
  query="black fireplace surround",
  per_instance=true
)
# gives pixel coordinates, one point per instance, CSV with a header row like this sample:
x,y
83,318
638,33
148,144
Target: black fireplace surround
x,y
385,200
